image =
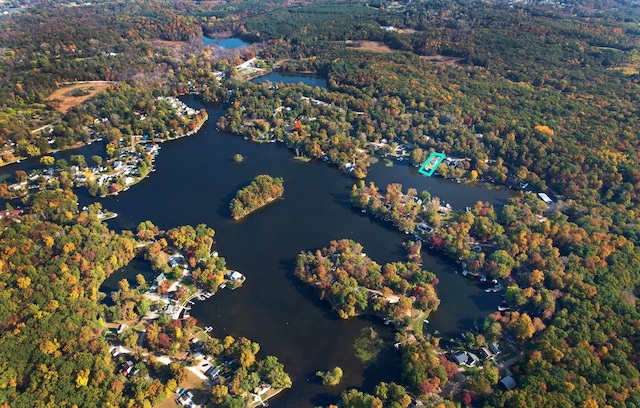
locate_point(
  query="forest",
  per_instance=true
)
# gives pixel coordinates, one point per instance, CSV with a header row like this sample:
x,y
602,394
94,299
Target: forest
x,y
545,94
262,190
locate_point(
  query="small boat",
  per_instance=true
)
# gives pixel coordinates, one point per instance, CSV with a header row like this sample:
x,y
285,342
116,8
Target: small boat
x,y
222,286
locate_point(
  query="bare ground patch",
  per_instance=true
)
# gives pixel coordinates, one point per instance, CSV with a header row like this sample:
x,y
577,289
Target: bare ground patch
x,y
174,45
375,46
442,60
73,95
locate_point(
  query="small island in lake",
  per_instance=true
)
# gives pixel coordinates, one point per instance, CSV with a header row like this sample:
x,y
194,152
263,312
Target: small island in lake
x,y
262,190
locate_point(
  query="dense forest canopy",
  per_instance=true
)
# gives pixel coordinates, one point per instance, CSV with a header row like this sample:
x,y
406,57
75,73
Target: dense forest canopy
x,y
545,94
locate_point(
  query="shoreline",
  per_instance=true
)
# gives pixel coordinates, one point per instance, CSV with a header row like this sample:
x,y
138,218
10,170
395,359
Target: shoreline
x,y
269,201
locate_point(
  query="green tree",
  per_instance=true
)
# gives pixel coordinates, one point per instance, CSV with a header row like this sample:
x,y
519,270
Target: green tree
x,y
97,160
331,377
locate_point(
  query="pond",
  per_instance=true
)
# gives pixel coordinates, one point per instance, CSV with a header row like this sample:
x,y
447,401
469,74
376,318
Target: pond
x,y
226,43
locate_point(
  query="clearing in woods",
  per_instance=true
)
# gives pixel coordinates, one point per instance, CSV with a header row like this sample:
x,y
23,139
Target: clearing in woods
x,y
377,46
74,94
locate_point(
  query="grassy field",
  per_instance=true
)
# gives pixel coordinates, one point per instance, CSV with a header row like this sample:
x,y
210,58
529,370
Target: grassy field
x,y
74,95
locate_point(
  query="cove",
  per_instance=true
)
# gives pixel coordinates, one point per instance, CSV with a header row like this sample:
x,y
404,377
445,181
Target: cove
x,y
196,178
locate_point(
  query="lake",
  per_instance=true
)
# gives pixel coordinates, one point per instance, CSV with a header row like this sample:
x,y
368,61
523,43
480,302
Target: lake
x,y
226,43
196,178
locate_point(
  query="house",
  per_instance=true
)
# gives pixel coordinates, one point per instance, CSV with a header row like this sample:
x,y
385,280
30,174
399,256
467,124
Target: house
x,y
472,360
494,348
117,350
7,213
126,368
159,279
185,398
149,148
425,228
176,260
484,353
508,383
545,198
459,358
213,372
235,276
261,389
465,358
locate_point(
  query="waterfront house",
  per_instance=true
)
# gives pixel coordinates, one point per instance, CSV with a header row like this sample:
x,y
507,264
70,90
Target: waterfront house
x,y
459,358
261,389
235,276
159,279
465,358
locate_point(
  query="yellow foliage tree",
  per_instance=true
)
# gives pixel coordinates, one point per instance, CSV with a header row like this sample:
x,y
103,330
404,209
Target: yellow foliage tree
x,y
48,241
544,129
24,282
48,347
82,378
68,247
247,358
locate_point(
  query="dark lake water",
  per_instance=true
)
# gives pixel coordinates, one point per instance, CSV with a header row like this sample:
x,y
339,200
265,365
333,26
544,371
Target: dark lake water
x,y
226,43
285,78
196,178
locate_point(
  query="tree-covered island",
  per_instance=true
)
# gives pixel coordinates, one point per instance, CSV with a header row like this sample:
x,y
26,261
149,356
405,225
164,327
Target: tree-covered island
x,y
262,190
